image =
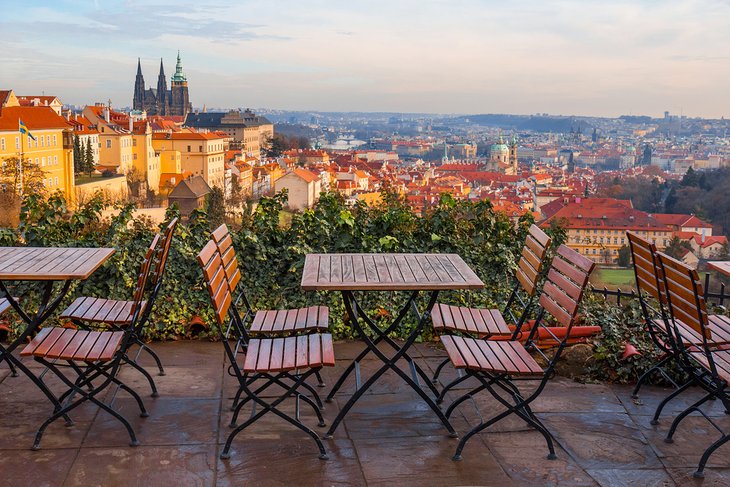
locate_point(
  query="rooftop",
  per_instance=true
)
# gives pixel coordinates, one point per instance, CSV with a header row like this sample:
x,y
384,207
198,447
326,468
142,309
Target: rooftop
x,y
604,436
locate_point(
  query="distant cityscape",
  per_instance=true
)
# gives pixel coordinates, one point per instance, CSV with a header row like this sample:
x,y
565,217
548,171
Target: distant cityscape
x,y
664,178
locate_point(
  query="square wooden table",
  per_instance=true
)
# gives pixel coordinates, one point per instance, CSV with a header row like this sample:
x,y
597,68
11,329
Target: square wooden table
x,y
47,265
720,266
414,273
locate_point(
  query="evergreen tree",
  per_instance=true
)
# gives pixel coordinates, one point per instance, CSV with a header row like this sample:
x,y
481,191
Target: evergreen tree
x,y
89,158
690,178
78,155
215,207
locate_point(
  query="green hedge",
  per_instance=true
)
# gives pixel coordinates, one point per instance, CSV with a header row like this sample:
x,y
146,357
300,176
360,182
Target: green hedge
x,y
271,256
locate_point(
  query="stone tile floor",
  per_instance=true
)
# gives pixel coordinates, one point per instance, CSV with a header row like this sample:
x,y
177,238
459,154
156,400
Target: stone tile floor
x,y
389,438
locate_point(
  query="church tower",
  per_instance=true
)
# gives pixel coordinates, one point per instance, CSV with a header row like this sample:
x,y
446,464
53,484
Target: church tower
x,y
138,100
180,102
513,154
162,101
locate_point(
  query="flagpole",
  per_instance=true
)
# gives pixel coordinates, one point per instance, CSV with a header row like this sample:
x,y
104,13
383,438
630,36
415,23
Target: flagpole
x,y
20,165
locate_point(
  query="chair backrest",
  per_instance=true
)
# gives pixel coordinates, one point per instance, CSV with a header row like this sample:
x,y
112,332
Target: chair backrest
x,y
224,243
164,251
685,297
215,279
531,263
646,267
144,273
565,284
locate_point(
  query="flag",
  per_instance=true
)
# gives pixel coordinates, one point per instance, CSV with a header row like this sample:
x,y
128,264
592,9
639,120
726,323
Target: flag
x,y
24,130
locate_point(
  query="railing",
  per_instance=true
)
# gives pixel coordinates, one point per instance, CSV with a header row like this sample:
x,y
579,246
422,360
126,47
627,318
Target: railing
x,y
714,298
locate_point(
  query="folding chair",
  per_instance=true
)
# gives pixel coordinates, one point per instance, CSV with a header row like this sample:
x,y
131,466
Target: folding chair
x,y
263,323
650,288
499,364
93,356
117,314
487,323
283,361
701,339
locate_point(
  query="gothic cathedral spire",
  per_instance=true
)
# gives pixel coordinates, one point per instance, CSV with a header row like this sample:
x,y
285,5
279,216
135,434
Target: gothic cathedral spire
x,y
162,101
138,100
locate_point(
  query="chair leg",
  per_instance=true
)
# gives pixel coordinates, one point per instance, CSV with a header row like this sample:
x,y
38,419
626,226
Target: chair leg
x,y
154,356
656,367
320,381
475,430
463,398
449,386
436,374
147,375
684,414
665,401
700,472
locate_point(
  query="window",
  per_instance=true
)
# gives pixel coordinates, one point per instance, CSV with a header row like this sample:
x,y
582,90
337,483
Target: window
x,y
56,181
108,144
43,162
188,148
55,141
135,157
594,251
36,161
41,137
17,142
134,142
2,143
55,160
200,148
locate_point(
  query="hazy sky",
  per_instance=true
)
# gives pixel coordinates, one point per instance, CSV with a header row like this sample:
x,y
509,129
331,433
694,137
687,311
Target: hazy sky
x,y
581,57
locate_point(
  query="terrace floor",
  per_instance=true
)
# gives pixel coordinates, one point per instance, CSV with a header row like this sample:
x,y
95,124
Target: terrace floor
x,y
389,438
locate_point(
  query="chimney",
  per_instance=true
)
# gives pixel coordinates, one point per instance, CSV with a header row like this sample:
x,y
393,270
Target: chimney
x,y
106,114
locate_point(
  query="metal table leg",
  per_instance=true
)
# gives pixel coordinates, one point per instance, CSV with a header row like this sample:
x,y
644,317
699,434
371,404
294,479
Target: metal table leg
x,y
353,311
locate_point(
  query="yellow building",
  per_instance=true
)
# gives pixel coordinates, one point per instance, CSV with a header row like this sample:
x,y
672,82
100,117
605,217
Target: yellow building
x,y
596,227
52,149
144,157
116,150
201,154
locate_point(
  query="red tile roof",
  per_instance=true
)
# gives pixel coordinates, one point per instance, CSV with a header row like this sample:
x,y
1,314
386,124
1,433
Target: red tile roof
x,y
681,220
35,118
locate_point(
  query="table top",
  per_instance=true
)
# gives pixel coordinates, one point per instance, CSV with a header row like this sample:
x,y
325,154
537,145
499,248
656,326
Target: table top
x,y
50,263
720,266
387,272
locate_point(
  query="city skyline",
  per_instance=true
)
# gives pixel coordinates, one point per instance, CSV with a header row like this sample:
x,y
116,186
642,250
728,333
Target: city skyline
x,y
568,57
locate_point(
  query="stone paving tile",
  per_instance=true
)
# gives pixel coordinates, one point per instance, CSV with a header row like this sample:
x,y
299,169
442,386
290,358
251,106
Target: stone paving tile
x,y
713,477
390,436
650,397
185,465
178,381
602,440
171,421
655,477
426,462
287,461
523,456
43,468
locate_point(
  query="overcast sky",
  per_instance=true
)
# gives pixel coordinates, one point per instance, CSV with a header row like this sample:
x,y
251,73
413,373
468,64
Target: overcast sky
x,y
581,57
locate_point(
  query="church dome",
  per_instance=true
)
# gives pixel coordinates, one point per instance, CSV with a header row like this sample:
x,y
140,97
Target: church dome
x,y
498,148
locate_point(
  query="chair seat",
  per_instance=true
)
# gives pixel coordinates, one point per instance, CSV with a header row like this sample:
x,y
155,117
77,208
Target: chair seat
x,y
721,358
474,321
313,318
289,353
78,345
101,310
508,357
719,328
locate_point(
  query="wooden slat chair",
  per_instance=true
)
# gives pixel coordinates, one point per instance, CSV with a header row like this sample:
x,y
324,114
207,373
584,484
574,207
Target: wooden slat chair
x,y
94,356
701,338
252,323
118,314
487,323
286,361
650,288
499,364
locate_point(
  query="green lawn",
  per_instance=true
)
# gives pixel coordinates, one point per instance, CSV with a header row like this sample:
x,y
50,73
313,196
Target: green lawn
x,y
616,277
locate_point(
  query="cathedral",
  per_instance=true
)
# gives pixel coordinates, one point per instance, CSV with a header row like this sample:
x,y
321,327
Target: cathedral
x,y
161,101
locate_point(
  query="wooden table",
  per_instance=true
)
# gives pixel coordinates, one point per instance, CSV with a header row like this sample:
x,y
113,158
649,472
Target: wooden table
x,y
720,266
48,265
414,273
